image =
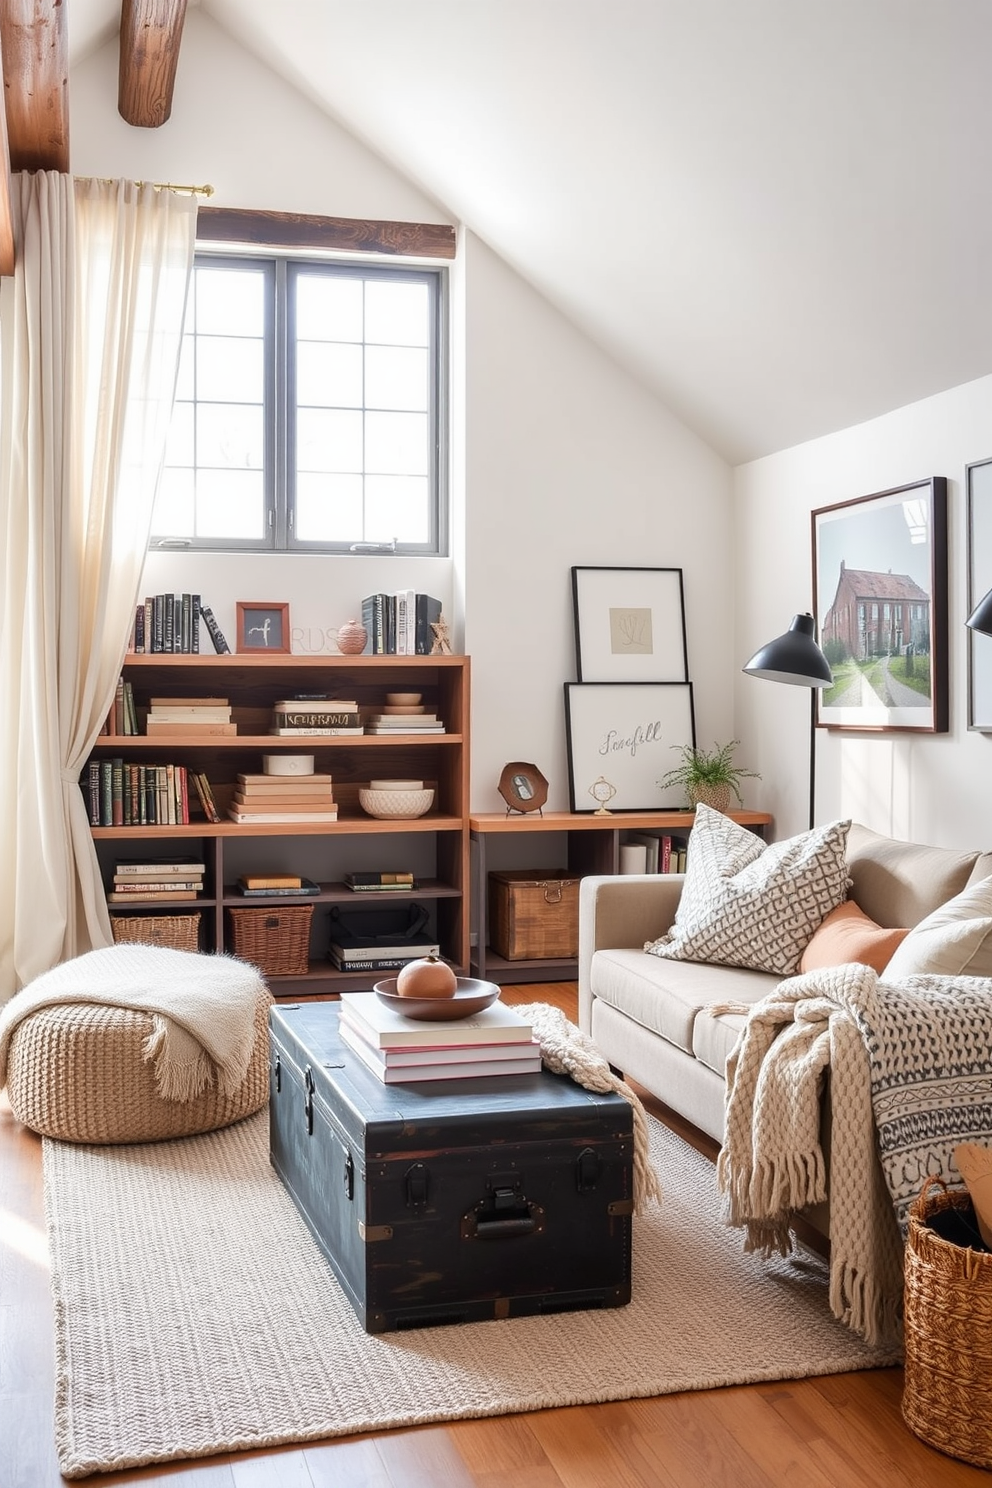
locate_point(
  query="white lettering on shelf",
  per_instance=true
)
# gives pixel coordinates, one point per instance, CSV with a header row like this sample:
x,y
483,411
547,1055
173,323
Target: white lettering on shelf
x,y
311,640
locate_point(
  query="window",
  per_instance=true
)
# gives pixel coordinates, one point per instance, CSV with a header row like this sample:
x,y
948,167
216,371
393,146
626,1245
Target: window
x,y
309,410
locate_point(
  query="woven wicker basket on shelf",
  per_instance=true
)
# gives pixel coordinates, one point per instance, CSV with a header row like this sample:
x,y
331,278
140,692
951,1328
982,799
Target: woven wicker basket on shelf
x,y
947,1394
179,932
277,941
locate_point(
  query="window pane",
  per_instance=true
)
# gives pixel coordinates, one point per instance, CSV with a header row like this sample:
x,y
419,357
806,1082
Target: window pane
x,y
328,308
328,440
230,504
179,445
328,374
397,314
229,370
396,443
230,436
175,505
329,508
185,386
396,507
229,301
395,378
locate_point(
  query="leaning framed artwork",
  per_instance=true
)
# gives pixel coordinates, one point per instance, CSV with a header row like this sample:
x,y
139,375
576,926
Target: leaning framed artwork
x,y
880,598
620,734
629,625
978,478
263,626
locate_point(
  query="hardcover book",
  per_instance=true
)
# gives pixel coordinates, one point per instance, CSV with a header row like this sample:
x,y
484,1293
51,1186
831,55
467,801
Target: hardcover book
x,y
452,1070
380,955
390,1030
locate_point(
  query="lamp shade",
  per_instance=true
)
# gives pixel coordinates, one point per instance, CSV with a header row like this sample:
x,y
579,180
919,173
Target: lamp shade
x,y
980,618
793,657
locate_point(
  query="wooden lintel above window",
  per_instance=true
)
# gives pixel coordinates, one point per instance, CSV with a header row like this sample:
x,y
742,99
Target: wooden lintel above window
x,y
36,83
328,234
151,32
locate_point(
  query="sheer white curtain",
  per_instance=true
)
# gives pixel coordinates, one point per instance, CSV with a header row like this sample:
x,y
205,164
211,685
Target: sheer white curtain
x,y
90,333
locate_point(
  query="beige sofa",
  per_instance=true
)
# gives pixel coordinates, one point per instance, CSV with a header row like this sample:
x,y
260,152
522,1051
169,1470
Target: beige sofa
x,y
648,1015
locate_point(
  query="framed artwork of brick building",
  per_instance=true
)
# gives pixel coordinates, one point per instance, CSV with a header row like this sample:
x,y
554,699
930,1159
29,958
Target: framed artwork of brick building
x,y
880,600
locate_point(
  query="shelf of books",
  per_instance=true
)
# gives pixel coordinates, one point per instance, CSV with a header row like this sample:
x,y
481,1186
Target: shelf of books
x,y
233,781
585,843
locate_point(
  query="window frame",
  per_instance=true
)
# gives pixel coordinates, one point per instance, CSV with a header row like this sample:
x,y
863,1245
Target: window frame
x,y
283,246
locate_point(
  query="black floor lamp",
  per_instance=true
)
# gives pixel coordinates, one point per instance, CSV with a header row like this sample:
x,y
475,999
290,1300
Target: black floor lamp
x,y
980,618
797,659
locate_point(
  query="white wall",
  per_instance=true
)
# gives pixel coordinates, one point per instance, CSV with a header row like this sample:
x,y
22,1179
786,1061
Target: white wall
x,y
920,787
558,457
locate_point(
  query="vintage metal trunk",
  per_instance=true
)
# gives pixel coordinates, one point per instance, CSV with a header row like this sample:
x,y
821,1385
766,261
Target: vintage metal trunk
x,y
456,1200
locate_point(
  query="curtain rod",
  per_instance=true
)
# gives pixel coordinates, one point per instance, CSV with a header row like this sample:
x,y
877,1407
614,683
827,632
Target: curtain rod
x,y
156,185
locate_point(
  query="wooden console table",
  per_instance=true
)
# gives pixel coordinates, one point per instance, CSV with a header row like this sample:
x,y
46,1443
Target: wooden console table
x,y
593,847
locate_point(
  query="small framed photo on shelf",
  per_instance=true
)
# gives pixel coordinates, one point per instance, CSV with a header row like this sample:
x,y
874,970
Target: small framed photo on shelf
x,y
622,734
629,625
263,627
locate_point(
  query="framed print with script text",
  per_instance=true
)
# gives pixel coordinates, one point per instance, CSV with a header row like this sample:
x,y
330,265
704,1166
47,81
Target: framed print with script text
x,y
624,733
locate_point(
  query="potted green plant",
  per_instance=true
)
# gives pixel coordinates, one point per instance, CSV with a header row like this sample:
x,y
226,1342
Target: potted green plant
x,y
709,775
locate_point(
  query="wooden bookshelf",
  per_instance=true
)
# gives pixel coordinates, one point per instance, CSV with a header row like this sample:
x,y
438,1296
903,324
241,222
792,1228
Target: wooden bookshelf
x,y
592,846
253,683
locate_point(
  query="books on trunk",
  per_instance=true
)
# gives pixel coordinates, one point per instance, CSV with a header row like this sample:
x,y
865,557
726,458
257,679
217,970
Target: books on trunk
x,y
497,1041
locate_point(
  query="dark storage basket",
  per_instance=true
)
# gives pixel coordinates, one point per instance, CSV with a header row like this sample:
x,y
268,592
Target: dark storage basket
x,y
277,941
533,914
947,1392
178,932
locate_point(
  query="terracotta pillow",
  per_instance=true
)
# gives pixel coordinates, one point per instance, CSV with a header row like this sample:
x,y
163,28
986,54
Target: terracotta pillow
x,y
847,934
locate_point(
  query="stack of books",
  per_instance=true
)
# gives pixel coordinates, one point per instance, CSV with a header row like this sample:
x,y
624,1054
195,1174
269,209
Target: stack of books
x,y
315,715
174,717
144,882
380,883
410,720
379,955
400,624
399,1050
283,798
275,885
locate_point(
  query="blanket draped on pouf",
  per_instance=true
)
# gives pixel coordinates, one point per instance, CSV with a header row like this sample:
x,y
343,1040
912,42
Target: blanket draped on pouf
x,y
909,1078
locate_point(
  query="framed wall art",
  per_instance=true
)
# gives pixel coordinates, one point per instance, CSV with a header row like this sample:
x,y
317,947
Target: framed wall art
x,y
263,627
624,733
978,478
629,625
880,599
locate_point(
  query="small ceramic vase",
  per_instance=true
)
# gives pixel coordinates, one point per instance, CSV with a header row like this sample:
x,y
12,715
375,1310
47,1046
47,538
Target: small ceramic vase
x,y
352,638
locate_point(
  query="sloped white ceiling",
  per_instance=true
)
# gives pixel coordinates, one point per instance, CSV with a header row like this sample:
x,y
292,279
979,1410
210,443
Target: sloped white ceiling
x,y
776,213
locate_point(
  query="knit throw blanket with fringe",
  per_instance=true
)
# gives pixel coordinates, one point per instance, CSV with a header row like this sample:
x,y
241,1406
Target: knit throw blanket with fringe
x,y
908,1080
202,1010
565,1050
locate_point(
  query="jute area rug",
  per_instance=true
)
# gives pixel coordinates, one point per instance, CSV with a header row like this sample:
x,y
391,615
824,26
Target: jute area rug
x,y
194,1314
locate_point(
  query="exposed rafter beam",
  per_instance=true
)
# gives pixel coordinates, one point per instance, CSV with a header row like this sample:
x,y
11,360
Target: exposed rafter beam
x,y
151,31
36,83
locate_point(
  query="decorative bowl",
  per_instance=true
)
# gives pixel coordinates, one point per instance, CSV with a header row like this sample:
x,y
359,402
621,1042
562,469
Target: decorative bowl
x,y
471,996
396,803
403,699
396,785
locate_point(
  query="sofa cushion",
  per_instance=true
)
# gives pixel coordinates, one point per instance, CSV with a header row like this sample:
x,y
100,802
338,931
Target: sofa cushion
x,y
745,904
898,883
713,1037
666,996
847,934
956,939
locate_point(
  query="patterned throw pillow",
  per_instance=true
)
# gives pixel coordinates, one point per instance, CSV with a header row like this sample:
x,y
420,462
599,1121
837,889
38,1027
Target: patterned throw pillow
x,y
745,904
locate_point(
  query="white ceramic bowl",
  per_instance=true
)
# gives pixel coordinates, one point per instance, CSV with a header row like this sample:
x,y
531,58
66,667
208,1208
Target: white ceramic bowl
x,y
396,803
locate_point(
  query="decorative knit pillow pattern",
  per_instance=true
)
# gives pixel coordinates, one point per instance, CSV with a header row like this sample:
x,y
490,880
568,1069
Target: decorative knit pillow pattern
x,y
848,934
955,940
745,904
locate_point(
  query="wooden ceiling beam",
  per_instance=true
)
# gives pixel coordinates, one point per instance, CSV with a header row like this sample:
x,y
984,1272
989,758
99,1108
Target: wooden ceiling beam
x,y
151,32
33,42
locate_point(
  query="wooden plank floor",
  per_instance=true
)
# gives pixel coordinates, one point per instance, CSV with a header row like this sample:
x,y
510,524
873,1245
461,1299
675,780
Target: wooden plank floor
x,y
841,1431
